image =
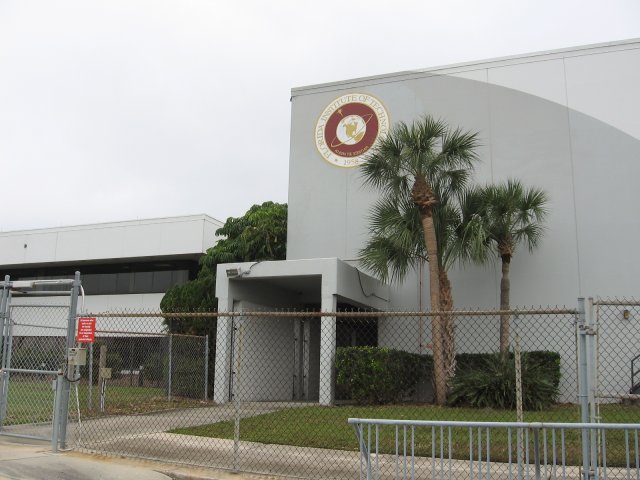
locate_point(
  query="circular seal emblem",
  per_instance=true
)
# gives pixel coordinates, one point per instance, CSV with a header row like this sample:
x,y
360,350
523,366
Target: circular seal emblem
x,y
348,128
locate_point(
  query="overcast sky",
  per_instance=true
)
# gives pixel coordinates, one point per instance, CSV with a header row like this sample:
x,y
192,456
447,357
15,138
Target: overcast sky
x,y
124,109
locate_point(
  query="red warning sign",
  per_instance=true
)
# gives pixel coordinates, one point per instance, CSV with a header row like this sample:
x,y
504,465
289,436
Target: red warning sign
x,y
86,329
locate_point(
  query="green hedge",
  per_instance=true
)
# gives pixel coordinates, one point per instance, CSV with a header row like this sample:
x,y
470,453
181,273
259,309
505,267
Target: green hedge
x,y
487,380
374,375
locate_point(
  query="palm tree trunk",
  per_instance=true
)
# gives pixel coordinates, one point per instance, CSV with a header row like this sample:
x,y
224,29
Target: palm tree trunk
x,y
505,290
424,199
448,325
439,371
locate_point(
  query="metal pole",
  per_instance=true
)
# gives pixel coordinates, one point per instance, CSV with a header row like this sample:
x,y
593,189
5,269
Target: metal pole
x,y
9,346
55,434
170,366
536,451
519,414
583,394
90,394
236,399
206,367
4,393
102,363
518,366
593,382
131,362
5,320
4,377
4,344
63,412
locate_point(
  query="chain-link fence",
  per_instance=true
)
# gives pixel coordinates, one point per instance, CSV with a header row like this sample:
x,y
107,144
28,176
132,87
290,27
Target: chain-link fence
x,y
138,373
35,344
281,385
616,359
271,392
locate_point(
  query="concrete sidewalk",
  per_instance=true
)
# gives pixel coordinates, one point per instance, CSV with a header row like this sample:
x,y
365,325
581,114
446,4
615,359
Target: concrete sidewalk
x,y
35,461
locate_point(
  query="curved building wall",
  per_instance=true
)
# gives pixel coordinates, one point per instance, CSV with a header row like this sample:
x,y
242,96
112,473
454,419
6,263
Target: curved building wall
x,y
565,121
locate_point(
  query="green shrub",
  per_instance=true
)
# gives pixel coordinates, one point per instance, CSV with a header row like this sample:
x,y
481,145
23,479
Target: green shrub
x,y
155,368
489,380
549,362
371,375
187,379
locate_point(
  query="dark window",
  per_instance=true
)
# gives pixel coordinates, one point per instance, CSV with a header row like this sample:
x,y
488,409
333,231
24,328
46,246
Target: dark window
x,y
357,332
123,283
114,279
161,281
107,283
142,282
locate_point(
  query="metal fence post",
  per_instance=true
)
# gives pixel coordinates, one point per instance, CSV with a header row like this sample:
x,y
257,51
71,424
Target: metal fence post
x,y
5,320
206,367
90,393
4,343
593,375
55,434
6,356
3,396
170,367
235,396
583,392
518,371
63,411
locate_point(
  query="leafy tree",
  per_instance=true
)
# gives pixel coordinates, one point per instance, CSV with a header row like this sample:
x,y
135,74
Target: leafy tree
x,y
260,234
495,219
416,167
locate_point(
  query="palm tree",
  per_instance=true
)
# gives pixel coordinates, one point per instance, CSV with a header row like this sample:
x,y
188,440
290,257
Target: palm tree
x,y
447,218
495,219
413,167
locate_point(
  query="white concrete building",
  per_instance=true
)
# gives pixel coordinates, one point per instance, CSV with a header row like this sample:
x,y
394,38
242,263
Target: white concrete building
x,y
124,265
565,120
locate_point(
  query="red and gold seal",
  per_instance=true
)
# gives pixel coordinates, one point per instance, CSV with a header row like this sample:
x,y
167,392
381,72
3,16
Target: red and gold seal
x,y
349,127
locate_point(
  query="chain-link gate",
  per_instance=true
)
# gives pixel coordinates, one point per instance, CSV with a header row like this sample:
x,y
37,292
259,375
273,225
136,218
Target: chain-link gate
x,y
35,377
616,356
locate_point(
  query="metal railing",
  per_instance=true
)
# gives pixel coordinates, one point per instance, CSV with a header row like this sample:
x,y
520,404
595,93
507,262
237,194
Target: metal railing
x,y
403,449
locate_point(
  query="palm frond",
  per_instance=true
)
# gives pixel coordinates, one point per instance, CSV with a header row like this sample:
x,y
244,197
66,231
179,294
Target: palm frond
x,y
425,149
514,214
458,149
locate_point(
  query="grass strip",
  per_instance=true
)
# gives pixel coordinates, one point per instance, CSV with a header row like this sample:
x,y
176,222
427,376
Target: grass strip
x,y
327,427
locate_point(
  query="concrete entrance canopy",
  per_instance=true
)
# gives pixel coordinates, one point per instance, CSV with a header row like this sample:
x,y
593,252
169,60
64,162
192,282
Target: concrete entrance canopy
x,y
320,283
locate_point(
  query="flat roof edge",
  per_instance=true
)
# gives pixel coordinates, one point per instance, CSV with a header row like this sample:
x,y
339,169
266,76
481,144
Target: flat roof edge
x,y
78,264
120,223
453,68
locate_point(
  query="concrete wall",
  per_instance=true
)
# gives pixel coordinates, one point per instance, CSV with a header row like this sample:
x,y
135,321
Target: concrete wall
x,y
54,321
271,285
263,357
565,121
171,238
138,239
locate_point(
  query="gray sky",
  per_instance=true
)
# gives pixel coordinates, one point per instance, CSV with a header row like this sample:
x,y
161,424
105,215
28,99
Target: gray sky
x,y
123,109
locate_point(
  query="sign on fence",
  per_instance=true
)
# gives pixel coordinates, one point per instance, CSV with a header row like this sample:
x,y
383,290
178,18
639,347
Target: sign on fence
x,y
86,329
